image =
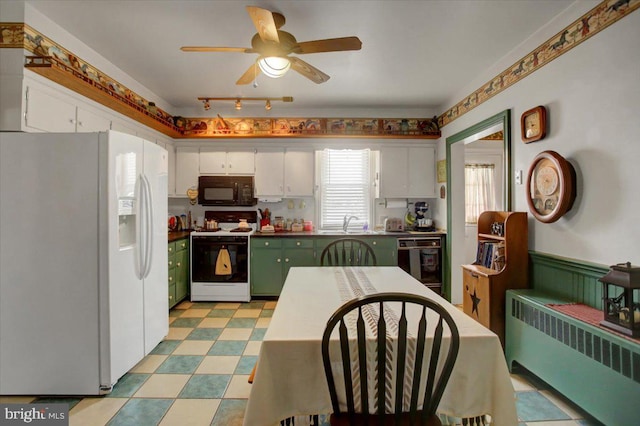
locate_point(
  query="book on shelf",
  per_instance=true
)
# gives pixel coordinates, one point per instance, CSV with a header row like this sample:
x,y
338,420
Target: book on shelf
x,y
490,254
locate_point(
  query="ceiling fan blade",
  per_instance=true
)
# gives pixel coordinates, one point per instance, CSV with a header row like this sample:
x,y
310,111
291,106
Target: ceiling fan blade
x,y
264,23
250,75
329,45
215,49
308,71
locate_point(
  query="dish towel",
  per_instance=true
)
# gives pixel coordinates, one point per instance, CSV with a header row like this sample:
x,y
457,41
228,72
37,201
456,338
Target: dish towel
x,y
223,262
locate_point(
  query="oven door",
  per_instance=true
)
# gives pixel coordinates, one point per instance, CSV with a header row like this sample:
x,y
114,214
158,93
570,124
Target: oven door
x,y
421,257
204,255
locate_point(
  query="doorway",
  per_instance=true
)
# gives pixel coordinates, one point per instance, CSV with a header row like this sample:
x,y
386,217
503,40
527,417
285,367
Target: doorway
x,y
455,247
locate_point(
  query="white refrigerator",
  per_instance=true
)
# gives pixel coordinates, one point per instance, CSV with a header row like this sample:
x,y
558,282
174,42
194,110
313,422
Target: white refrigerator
x,y
83,259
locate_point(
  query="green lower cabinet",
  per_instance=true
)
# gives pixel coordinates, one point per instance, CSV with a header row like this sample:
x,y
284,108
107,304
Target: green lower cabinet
x,y
272,257
178,264
182,273
298,252
385,248
266,272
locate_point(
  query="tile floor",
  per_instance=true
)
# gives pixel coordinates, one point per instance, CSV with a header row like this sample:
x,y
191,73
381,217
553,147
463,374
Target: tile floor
x,y
198,376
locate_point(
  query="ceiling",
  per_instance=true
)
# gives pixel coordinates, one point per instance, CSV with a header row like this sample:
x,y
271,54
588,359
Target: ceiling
x,y
415,54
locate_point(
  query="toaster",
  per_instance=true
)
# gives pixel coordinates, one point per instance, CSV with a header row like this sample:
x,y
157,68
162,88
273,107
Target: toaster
x,y
394,224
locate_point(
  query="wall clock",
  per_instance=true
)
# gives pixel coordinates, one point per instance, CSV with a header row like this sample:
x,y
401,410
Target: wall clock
x,y
551,186
533,124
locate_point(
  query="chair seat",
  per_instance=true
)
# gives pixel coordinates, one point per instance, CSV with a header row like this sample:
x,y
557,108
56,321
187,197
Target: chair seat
x,y
343,419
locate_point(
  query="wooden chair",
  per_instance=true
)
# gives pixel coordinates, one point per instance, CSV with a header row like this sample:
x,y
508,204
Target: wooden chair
x,y
348,252
412,352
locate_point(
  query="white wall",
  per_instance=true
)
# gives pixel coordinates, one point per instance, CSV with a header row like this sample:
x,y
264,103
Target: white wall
x,y
592,97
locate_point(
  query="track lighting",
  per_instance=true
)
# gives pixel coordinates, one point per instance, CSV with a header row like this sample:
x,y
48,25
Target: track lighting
x,y
238,101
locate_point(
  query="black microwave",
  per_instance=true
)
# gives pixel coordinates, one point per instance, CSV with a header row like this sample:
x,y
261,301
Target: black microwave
x,y
226,191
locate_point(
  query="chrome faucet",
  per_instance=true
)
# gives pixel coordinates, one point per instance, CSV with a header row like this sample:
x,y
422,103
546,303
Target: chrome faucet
x,y
345,222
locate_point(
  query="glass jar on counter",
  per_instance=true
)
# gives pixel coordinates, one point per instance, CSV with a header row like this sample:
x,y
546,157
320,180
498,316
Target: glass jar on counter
x,y
278,223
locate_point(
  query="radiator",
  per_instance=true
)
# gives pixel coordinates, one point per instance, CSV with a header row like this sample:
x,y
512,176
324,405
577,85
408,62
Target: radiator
x,y
596,369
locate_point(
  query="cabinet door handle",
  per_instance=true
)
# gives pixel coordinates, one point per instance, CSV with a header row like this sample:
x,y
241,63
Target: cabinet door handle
x,y
266,243
170,278
279,260
178,264
170,262
474,275
375,243
286,259
297,243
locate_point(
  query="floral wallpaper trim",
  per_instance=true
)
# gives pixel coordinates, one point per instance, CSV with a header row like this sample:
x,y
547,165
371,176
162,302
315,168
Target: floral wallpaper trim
x,y
591,23
20,35
312,127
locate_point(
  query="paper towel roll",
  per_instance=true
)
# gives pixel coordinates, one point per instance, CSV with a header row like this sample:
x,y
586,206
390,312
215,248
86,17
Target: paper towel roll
x,y
395,204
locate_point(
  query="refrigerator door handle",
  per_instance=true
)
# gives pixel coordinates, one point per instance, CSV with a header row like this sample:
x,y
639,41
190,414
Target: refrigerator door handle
x,y
149,227
142,238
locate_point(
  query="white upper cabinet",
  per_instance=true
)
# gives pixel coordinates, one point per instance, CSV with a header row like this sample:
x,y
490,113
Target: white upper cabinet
x,y
394,164
269,179
187,161
48,111
88,121
222,162
298,173
284,173
407,172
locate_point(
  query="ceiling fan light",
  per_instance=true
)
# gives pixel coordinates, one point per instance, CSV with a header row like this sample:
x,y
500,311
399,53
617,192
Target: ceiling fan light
x,y
274,66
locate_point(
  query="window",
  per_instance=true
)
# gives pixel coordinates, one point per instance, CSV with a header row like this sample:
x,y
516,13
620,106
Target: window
x,y
479,192
345,187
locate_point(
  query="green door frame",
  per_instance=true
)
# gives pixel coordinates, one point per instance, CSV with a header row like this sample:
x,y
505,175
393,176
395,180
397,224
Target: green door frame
x,y
503,118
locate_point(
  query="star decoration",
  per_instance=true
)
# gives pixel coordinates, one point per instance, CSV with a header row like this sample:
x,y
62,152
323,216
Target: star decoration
x,y
475,300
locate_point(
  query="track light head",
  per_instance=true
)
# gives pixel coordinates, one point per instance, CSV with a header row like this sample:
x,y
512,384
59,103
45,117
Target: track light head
x,y
267,105
207,105
238,104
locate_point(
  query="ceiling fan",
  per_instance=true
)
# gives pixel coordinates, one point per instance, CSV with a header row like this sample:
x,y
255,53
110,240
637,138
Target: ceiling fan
x,y
274,47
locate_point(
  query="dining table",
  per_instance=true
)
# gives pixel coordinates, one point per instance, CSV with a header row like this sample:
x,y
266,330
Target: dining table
x,y
290,380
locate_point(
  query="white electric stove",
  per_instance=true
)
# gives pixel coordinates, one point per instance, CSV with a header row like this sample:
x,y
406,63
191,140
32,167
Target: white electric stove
x,y
220,257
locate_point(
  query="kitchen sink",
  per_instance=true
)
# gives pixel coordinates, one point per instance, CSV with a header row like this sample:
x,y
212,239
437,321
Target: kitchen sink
x,y
352,232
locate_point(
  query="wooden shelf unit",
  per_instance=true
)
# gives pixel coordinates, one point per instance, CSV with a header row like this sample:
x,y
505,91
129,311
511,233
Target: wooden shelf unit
x,y
484,288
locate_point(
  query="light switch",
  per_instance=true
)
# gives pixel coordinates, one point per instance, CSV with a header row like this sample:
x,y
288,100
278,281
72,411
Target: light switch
x,y
519,177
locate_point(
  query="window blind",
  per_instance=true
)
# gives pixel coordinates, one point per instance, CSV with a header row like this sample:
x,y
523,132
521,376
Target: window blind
x,y
345,187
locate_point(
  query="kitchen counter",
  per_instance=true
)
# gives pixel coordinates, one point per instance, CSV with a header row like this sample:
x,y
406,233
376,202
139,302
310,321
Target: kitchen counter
x,y
350,234
178,235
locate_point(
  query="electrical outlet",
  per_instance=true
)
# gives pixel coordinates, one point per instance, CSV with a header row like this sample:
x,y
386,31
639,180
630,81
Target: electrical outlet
x,y
519,177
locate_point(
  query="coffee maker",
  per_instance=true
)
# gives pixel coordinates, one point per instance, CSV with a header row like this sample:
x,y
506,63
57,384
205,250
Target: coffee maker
x,y
423,222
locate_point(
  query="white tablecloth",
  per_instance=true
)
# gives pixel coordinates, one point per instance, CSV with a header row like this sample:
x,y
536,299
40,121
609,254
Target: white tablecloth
x,y
290,377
